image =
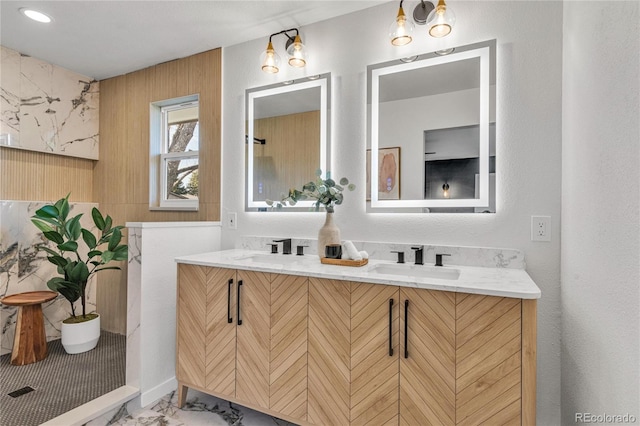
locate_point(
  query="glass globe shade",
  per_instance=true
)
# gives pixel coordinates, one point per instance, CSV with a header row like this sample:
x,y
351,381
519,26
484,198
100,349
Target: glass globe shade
x,y
270,60
400,30
297,53
441,20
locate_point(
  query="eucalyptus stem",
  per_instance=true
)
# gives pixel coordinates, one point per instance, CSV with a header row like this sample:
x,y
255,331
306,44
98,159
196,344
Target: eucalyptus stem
x,y
326,192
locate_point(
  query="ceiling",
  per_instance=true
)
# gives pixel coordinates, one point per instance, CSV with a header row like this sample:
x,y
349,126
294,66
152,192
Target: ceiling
x,y
102,39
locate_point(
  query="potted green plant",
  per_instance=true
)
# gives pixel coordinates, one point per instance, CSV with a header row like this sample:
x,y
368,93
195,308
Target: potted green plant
x,y
328,194
78,254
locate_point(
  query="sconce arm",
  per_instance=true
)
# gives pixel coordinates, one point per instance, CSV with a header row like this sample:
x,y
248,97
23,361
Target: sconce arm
x,y
285,33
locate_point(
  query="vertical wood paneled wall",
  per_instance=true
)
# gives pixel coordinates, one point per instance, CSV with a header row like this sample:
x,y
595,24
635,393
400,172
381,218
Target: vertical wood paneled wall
x,y
121,176
37,176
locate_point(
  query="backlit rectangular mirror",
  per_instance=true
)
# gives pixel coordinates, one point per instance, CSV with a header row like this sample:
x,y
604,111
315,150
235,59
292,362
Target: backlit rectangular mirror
x,y
287,139
431,132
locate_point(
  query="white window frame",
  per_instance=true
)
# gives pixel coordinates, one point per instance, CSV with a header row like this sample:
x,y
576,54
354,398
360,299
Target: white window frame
x,y
159,156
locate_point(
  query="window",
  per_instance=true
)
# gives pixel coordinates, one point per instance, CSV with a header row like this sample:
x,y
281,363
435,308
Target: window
x,y
175,146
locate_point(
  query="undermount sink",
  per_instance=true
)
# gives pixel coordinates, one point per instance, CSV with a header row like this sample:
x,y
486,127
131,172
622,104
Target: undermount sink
x,y
418,271
272,259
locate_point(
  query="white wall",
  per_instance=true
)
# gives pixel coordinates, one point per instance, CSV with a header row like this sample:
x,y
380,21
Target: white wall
x,y
152,278
600,209
529,108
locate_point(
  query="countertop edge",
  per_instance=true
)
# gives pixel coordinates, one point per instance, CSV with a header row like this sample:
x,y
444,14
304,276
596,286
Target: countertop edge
x,y
346,273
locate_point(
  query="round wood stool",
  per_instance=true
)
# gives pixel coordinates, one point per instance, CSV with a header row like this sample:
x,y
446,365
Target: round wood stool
x,y
30,341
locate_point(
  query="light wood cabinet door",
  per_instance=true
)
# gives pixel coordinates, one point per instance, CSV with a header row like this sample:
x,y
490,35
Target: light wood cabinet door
x,y
220,333
191,318
427,358
288,367
488,360
329,352
206,349
253,337
375,365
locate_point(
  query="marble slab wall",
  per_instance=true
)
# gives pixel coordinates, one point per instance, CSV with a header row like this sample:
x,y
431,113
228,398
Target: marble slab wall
x,y
23,268
487,257
47,108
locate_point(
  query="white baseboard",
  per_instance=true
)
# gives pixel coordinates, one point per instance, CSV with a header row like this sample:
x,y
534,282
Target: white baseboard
x,y
154,394
95,408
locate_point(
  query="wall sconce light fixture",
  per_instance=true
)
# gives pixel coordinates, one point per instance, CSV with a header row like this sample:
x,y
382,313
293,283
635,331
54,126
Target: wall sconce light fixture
x,y
445,190
401,29
439,19
295,50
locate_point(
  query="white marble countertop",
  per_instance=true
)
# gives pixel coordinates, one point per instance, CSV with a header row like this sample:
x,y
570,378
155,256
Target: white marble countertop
x,y
502,282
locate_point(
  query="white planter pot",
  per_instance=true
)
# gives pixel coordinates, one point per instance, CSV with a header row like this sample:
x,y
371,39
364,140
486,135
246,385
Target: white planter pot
x,y
82,337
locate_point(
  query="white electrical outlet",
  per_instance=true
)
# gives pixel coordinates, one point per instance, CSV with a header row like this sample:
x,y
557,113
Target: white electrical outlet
x,y
540,228
232,220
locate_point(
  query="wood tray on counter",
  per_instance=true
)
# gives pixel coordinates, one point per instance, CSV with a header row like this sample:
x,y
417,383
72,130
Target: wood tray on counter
x,y
344,262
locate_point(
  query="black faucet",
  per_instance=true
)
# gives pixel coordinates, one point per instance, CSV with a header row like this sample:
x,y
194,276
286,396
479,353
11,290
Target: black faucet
x,y
286,245
300,250
419,254
400,255
439,258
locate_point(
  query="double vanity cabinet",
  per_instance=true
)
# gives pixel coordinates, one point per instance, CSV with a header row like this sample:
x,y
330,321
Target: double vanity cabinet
x,y
328,345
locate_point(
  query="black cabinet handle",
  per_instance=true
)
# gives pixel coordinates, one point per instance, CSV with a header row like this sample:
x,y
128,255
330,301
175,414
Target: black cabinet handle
x,y
229,318
390,327
406,328
238,302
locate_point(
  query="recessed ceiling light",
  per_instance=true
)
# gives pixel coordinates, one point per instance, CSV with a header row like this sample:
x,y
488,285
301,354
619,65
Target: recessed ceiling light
x,y
409,59
443,52
35,15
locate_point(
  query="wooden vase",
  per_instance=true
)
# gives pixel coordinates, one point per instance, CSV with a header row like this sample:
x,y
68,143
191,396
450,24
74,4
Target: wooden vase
x,y
328,234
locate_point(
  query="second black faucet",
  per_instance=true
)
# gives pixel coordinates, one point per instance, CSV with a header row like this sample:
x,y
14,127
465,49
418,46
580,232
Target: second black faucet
x,y
286,245
439,258
419,254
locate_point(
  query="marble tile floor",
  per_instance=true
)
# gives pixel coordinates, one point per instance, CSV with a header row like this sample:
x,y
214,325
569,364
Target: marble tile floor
x,y
200,410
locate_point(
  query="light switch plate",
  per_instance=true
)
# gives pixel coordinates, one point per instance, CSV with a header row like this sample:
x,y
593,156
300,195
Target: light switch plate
x,y
540,228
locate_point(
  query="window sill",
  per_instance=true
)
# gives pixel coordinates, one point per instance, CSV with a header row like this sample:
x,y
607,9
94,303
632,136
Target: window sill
x,y
174,208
